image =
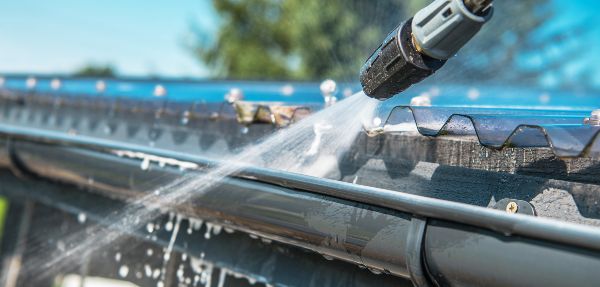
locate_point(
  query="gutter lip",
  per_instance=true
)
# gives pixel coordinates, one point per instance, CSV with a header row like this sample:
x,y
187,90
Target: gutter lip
x,y
494,220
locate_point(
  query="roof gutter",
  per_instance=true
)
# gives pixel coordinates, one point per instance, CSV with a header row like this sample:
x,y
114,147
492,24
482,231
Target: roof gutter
x,y
430,241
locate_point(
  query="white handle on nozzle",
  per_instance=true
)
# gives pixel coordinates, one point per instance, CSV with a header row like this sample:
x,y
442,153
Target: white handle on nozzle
x,y
445,26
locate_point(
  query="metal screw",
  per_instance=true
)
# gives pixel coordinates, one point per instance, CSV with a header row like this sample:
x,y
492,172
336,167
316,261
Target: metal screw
x,y
328,90
160,91
30,83
55,84
512,207
594,119
100,86
234,95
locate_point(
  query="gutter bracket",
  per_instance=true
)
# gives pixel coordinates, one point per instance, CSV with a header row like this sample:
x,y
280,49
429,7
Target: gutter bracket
x,y
414,252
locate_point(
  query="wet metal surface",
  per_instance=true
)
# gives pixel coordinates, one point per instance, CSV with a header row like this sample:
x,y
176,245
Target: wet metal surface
x,y
563,131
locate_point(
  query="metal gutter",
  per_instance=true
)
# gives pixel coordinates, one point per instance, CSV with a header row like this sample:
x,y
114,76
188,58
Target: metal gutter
x,y
268,262
409,236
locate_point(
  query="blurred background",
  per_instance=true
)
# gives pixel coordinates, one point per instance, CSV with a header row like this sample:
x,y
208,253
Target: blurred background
x,y
549,44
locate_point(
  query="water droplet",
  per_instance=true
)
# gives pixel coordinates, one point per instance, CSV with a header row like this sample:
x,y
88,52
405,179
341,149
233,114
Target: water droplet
x,y
81,217
169,226
244,130
377,121
123,271
149,252
118,256
183,256
150,227
209,227
217,229
148,270
145,165
156,273
186,118
160,284
375,271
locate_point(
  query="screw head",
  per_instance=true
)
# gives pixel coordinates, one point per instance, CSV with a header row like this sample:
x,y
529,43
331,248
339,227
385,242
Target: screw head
x,y
594,119
100,86
55,84
234,95
328,87
31,82
160,91
512,207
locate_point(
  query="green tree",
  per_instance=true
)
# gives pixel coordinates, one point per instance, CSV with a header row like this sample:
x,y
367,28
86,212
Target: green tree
x,y
253,42
297,39
96,71
315,39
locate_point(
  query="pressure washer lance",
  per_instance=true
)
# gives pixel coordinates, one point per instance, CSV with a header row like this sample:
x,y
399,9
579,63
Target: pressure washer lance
x,y
420,46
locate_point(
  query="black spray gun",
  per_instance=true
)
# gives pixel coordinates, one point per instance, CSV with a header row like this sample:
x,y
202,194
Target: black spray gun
x,y
421,45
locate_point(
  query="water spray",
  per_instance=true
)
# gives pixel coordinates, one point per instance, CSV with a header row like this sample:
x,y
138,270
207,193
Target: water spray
x,y
420,46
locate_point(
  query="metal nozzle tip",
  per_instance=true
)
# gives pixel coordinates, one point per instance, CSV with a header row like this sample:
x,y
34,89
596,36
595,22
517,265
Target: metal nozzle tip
x,y
478,6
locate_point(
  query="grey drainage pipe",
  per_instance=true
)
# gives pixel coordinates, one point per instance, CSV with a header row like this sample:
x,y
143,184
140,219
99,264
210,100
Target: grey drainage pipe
x,y
430,241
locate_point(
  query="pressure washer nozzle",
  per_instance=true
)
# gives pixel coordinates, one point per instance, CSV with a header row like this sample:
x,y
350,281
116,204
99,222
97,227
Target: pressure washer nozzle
x,y
420,46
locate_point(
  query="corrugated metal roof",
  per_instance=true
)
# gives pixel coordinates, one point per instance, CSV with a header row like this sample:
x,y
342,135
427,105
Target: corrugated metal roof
x,y
497,116
565,132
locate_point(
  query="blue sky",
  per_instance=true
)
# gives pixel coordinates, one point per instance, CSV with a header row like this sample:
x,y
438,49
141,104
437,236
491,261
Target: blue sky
x,y
145,37
137,37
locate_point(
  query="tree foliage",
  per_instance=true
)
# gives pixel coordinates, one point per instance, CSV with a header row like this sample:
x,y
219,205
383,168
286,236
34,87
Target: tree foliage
x,y
297,39
315,39
96,71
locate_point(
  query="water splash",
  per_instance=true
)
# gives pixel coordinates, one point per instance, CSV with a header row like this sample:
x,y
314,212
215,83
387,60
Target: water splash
x,y
311,146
